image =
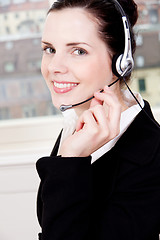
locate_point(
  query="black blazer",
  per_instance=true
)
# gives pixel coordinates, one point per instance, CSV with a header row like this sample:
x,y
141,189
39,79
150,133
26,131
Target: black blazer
x,y
115,198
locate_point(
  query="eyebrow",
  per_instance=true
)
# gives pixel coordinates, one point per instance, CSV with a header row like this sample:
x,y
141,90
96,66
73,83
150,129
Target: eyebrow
x,y
68,44
77,43
47,43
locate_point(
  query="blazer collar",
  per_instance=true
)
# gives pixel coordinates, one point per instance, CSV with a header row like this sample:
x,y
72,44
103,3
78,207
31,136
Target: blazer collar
x,y
140,141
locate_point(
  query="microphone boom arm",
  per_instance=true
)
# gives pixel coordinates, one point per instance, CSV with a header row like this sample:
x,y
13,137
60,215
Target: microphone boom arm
x,y
65,107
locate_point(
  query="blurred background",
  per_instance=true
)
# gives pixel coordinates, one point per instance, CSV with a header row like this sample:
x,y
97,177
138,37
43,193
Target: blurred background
x,y
29,123
23,92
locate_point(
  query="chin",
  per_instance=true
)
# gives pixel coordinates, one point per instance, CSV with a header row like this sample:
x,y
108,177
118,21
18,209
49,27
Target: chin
x,y
55,103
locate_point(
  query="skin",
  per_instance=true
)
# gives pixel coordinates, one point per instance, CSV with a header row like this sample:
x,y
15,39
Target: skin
x,y
74,53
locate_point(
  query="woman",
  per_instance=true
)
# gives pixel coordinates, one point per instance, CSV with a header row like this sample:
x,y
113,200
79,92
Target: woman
x,y
102,180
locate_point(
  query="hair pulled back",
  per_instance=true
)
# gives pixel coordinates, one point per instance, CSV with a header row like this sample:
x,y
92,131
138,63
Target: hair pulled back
x,y
109,20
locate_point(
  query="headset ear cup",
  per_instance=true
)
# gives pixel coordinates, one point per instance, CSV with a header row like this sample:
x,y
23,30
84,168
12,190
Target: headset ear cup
x,y
114,63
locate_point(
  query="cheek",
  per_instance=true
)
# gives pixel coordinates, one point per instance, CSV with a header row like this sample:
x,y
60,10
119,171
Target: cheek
x,y
97,71
43,67
44,71
103,70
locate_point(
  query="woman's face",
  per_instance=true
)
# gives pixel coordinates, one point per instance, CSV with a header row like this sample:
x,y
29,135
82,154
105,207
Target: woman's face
x,y
75,61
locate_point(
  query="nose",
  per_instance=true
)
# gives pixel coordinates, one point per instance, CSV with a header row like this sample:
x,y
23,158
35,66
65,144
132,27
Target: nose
x,y
57,64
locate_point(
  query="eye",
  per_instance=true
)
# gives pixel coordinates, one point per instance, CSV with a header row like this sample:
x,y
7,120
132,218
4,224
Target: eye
x,y
49,50
79,51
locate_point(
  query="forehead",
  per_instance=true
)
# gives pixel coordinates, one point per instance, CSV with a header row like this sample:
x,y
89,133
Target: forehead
x,y
71,22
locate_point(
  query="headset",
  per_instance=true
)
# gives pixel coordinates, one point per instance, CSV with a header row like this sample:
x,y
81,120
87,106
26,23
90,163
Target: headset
x,y
122,64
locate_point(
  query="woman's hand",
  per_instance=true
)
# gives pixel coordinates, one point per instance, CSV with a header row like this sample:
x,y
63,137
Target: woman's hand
x,y
95,127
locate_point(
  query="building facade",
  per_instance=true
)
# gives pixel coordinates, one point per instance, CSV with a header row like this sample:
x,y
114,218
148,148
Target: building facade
x,y
146,77
21,16
23,92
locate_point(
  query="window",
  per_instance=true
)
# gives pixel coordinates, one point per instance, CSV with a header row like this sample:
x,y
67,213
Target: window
x,y
5,17
139,40
3,94
34,65
16,15
27,26
140,61
9,67
4,113
9,45
142,85
8,30
51,110
27,15
26,89
29,111
153,15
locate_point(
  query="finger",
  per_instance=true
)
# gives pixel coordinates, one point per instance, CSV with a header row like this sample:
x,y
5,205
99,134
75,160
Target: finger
x,y
100,116
95,102
86,118
114,108
109,98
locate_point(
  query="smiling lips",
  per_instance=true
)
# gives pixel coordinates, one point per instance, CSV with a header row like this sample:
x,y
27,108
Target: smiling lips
x,y
63,87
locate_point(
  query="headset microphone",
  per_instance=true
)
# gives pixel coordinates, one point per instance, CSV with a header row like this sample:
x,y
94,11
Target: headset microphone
x,y
65,107
122,64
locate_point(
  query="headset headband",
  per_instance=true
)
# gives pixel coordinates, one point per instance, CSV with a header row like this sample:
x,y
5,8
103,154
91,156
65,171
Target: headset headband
x,y
122,62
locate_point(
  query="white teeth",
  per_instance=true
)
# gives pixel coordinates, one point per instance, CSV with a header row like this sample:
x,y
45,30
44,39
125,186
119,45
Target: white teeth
x,y
65,85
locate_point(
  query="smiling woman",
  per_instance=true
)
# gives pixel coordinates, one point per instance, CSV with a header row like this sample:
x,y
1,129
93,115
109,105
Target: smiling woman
x,y
101,180
68,57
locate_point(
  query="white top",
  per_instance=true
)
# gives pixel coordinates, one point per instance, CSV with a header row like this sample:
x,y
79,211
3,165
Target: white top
x,y
127,117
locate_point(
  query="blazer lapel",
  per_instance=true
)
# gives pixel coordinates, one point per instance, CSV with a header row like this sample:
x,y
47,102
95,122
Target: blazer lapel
x,y
55,148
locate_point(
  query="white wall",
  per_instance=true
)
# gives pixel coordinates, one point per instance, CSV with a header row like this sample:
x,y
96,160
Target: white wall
x,y
22,143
